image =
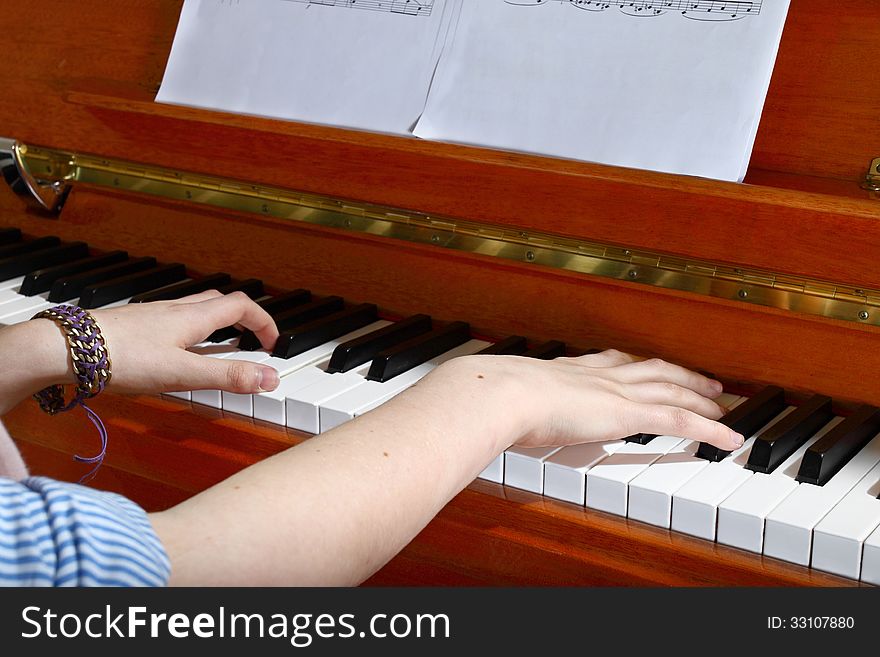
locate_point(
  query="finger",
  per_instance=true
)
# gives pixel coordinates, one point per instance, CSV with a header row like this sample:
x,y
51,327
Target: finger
x,y
206,373
200,296
680,422
672,394
234,309
657,370
607,358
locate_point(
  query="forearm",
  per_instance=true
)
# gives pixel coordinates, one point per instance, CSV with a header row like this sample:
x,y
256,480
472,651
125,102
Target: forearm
x,y
34,356
336,508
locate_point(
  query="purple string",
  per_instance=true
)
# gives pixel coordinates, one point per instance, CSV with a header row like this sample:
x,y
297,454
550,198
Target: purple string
x,y
99,459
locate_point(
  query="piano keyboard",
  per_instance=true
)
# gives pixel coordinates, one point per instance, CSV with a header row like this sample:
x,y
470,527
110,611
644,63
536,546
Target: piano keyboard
x,y
804,486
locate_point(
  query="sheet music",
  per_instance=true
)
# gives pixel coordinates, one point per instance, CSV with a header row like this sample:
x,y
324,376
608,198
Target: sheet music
x,y
363,64
666,85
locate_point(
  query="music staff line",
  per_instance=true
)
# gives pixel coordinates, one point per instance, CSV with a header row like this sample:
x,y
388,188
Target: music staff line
x,y
701,10
404,7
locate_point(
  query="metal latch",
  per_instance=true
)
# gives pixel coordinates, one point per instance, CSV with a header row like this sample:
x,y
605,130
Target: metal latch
x,y
47,194
872,178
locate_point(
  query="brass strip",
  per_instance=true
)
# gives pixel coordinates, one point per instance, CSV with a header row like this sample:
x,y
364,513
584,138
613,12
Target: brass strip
x,y
762,288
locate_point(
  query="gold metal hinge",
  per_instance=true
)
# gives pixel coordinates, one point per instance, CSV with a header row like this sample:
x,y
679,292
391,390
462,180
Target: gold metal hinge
x,y
872,178
762,288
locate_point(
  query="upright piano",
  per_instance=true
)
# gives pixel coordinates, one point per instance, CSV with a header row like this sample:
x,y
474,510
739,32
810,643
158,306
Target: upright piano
x,y
774,282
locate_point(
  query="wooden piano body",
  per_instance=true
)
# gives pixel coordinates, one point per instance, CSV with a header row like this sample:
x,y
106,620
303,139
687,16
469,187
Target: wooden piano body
x,y
802,234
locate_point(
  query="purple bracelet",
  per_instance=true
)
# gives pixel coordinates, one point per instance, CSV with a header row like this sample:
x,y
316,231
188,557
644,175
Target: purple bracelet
x,y
91,366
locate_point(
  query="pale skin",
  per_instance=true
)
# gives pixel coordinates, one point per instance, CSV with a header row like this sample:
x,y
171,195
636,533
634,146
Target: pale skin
x,y
334,509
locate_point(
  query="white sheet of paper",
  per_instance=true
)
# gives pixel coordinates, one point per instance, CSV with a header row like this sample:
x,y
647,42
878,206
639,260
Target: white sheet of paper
x,y
610,82
364,64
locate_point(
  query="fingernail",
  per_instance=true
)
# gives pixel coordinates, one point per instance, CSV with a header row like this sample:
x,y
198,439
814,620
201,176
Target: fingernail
x,y
717,387
737,438
268,379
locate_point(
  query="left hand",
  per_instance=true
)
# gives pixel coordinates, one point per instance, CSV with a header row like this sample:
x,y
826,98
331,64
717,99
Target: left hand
x,y
148,344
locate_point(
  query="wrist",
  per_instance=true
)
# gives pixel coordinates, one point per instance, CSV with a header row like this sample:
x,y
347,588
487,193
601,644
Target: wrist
x,y
491,393
45,347
35,356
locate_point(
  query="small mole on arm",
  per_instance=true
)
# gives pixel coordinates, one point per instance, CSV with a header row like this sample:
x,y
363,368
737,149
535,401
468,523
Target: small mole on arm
x,y
480,376
385,453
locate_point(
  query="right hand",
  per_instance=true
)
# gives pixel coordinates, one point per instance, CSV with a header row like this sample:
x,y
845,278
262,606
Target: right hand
x,y
603,396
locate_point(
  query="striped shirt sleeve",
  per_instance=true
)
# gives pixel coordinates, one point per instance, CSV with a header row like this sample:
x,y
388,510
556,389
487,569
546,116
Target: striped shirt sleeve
x,y
61,534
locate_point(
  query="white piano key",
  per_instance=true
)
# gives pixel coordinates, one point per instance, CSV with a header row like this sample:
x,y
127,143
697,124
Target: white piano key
x,y
524,467
695,505
276,409
788,529
304,406
839,537
24,315
650,492
494,471
20,305
214,398
27,307
565,471
371,394
272,406
10,294
12,283
871,559
741,516
242,404
608,481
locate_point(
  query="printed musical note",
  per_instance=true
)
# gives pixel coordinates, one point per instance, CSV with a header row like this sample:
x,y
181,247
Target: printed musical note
x,y
404,7
699,10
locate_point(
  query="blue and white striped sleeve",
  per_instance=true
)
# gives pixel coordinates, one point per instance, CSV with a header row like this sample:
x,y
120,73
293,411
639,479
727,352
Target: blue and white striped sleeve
x,y
60,534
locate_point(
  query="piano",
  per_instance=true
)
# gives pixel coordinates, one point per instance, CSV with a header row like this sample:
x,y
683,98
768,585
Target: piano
x,y
770,285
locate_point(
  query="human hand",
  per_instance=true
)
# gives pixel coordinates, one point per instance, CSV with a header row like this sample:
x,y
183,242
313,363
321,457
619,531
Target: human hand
x,y
148,344
603,396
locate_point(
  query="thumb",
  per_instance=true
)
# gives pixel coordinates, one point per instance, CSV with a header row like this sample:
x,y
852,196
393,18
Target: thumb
x,y
206,373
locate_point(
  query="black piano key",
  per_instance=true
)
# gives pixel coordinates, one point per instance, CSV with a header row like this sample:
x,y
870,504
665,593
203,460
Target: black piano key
x,y
547,351
349,355
281,303
42,279
69,287
120,288
786,436
9,235
296,341
640,438
183,289
29,246
27,262
832,451
415,351
747,418
253,287
294,317
515,345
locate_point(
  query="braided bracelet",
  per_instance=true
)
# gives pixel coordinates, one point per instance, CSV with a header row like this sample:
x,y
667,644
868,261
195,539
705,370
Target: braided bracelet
x,y
91,367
